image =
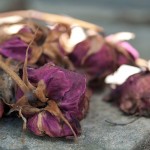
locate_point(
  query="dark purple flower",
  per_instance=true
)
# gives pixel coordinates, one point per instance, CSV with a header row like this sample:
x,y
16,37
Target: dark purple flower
x,y
68,90
66,87
133,96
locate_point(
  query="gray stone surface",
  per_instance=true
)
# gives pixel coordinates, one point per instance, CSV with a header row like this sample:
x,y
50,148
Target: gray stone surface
x,y
96,135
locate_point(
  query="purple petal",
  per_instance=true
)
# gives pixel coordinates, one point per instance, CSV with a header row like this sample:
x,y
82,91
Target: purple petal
x,y
33,125
101,63
14,48
80,50
50,125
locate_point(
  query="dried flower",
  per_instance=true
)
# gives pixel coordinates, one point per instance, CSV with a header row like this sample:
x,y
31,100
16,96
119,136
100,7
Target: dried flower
x,y
65,87
98,56
133,96
58,92
64,105
66,101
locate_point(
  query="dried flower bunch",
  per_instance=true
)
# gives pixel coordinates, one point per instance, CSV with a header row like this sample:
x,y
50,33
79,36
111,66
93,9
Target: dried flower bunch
x,y
50,99
45,68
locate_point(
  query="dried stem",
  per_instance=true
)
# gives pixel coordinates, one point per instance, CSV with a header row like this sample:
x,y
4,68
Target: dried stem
x,y
52,18
25,73
40,91
24,120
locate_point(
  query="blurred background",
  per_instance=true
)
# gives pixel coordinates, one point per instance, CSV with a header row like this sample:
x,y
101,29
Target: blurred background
x,y
113,15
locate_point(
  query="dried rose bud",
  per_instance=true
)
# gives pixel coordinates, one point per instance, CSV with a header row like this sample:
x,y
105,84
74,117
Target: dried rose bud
x,y
1,108
103,62
65,92
98,56
133,96
65,87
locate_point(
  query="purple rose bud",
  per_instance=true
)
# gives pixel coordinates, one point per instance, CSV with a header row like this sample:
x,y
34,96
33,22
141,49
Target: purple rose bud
x,y
99,57
133,96
66,87
67,90
1,108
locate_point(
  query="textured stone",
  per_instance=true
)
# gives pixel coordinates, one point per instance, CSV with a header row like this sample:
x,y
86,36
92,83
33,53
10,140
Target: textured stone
x,y
96,135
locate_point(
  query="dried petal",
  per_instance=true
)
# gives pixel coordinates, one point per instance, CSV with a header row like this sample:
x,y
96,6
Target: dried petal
x,y
45,123
14,48
67,88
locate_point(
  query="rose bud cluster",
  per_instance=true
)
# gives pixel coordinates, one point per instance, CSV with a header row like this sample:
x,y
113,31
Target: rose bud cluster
x,y
44,47
133,96
38,78
90,53
50,100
